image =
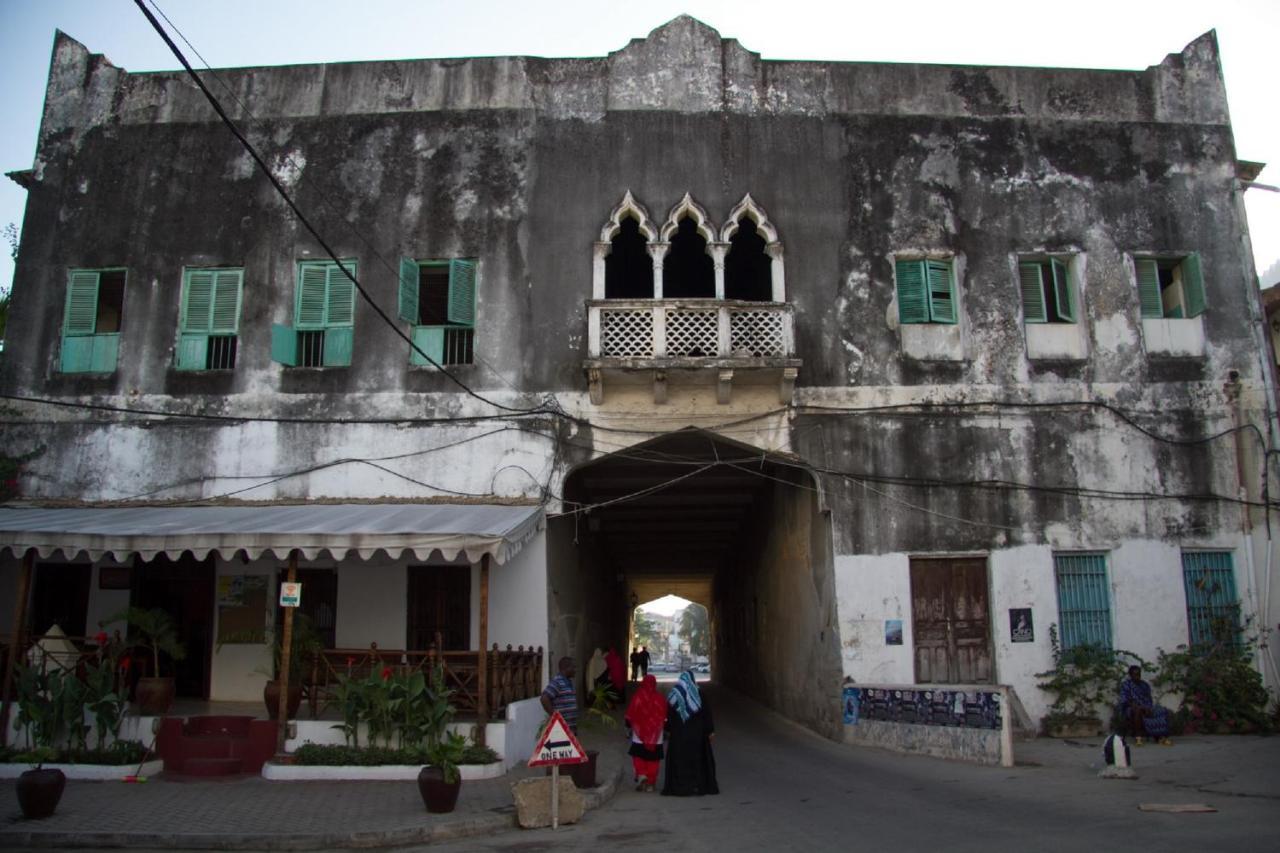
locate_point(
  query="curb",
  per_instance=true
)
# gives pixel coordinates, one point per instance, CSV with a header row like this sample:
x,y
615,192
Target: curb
x,y
448,830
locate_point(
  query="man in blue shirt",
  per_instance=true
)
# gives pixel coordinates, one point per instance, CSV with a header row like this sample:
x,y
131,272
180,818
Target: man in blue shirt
x,y
560,694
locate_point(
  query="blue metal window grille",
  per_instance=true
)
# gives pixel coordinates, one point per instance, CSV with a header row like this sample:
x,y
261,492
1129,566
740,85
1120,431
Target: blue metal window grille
x,y
1212,607
1084,606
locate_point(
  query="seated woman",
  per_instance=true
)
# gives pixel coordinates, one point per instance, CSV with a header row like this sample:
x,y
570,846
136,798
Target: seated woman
x,y
1141,714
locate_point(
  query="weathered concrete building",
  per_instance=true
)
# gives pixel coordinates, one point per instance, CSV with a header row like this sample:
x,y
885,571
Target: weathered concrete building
x,y
876,361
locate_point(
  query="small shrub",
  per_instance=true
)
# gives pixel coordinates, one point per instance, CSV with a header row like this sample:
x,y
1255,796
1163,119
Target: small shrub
x,y
1221,690
324,755
1084,680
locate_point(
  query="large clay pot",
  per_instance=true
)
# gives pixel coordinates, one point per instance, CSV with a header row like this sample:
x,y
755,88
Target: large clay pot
x,y
271,698
39,791
154,695
438,795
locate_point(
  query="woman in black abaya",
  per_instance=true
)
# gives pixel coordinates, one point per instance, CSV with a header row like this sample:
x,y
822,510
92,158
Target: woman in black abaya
x,y
691,765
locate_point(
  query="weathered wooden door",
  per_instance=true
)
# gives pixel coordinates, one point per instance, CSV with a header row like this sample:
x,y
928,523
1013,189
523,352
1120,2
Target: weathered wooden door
x,y
951,621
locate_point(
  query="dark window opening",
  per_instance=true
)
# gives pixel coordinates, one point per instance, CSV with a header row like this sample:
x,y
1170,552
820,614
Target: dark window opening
x,y
1052,314
1170,296
221,353
439,606
110,301
433,295
748,270
628,268
311,349
688,272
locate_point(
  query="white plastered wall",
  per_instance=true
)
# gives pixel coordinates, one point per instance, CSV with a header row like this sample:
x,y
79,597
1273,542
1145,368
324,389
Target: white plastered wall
x,y
1148,609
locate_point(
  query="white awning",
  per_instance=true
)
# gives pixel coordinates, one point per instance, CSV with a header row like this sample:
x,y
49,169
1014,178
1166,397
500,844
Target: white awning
x,y
339,529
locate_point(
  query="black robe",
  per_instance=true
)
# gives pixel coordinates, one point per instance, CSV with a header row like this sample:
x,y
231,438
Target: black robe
x,y
691,765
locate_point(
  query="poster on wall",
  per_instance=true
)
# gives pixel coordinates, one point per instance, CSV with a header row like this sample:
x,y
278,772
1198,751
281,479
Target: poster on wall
x,y
851,702
1020,626
893,632
242,608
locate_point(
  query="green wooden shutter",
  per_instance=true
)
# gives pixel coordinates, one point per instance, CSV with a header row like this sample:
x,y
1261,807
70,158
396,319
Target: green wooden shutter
x,y
81,315
409,276
105,352
77,354
224,314
337,346
197,302
462,292
913,304
1033,308
1192,285
284,344
340,309
942,294
1149,288
192,353
1066,299
430,339
313,287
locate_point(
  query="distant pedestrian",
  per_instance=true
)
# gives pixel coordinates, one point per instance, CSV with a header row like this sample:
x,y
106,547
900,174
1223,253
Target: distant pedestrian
x,y
646,718
635,664
691,765
560,695
644,661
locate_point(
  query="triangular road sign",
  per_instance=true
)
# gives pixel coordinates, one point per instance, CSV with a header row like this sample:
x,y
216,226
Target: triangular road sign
x,y
557,745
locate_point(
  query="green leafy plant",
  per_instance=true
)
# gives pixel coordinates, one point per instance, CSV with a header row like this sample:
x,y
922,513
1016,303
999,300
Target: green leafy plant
x,y
446,754
154,631
600,708
395,706
1221,689
1083,680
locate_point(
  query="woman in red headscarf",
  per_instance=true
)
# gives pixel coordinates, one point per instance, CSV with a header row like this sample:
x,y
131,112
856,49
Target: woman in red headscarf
x,y
646,716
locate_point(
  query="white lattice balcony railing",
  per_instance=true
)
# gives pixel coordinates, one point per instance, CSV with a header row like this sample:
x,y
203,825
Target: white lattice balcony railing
x,y
681,329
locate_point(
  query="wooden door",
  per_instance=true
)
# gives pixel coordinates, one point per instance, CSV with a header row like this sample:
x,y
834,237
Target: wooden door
x,y
951,621
439,601
183,588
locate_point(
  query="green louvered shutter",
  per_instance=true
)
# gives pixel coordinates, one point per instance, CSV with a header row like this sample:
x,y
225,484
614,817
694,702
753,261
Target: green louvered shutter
x,y
1062,292
77,354
192,353
430,339
462,292
1149,288
224,315
341,298
197,302
313,287
284,345
409,275
1192,285
942,294
913,303
81,316
105,350
1033,309
337,346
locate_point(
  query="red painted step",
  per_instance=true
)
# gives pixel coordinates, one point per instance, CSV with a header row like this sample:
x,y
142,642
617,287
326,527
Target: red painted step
x,y
212,767
215,745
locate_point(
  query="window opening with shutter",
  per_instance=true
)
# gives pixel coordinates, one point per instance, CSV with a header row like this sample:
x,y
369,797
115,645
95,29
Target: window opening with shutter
x,y
209,321
1048,295
1084,602
324,318
437,297
92,321
926,291
1170,288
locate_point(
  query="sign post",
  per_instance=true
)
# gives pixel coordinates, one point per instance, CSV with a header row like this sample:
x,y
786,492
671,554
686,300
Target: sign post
x,y
557,745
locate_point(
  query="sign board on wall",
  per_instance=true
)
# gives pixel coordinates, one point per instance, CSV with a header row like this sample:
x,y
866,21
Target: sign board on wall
x,y
290,594
1021,630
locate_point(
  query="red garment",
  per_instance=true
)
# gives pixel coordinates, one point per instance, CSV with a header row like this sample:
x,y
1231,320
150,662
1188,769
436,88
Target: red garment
x,y
647,712
617,670
647,770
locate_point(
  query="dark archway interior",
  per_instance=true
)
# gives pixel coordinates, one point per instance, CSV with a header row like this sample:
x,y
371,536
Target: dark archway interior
x,y
687,272
628,269
723,525
748,271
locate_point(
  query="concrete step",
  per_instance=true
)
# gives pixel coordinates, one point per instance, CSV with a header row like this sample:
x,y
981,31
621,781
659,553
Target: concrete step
x,y
212,767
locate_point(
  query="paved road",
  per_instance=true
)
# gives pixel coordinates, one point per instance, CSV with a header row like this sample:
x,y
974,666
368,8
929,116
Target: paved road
x,y
784,788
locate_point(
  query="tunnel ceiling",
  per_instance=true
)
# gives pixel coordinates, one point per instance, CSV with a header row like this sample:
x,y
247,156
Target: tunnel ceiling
x,y
672,536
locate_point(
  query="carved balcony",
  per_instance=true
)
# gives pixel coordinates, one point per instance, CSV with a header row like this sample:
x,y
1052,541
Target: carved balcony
x,y
690,342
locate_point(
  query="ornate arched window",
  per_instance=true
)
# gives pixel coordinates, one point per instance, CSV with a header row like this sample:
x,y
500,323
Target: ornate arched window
x,y
624,253
753,266
688,271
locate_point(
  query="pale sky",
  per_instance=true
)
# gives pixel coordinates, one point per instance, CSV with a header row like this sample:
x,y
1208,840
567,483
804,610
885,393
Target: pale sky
x,y
666,605
1082,34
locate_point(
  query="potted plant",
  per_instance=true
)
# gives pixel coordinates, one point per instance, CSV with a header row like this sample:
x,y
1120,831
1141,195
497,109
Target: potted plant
x,y
440,780
154,631
304,645
1084,678
40,788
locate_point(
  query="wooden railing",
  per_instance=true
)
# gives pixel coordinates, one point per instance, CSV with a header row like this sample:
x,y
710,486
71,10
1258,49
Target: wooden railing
x,y
513,674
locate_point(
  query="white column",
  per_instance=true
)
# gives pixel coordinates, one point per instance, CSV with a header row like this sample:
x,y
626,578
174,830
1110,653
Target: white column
x,y
718,251
597,269
658,251
774,251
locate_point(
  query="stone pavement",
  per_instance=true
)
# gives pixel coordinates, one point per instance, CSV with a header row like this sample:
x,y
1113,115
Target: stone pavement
x,y
250,813
1055,785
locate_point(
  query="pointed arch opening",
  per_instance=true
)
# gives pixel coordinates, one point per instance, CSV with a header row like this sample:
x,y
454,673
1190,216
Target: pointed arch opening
x,y
628,268
748,269
689,272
